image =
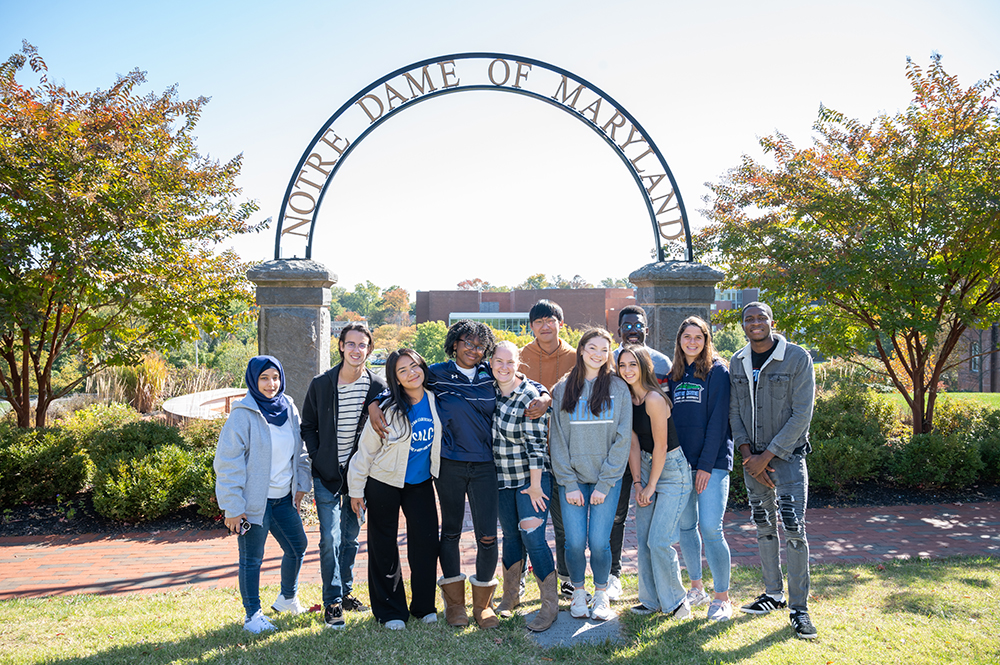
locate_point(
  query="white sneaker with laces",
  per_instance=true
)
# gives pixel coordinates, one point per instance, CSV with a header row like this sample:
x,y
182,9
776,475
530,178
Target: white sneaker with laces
x,y
720,610
696,597
578,606
682,611
429,618
292,605
614,590
258,623
395,624
601,611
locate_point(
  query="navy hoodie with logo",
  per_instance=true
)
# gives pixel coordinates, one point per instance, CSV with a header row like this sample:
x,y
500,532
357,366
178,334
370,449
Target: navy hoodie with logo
x,y
701,416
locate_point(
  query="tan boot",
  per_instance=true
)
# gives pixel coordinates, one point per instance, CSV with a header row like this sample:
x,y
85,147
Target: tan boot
x,y
453,594
549,591
511,590
482,602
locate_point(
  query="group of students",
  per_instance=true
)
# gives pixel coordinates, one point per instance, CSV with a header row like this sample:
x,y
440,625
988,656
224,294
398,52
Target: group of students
x,y
515,433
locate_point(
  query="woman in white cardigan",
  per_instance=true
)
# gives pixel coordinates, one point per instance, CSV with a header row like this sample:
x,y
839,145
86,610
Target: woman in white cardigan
x,y
261,475
393,474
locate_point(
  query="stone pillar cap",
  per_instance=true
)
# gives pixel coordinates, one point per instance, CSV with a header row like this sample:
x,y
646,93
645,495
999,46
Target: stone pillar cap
x,y
675,271
287,271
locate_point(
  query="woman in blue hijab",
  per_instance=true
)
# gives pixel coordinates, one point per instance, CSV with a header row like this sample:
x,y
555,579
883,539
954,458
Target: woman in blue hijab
x,y
262,473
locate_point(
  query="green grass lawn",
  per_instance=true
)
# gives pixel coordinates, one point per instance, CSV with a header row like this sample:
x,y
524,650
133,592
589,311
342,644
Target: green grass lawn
x,y
917,611
990,400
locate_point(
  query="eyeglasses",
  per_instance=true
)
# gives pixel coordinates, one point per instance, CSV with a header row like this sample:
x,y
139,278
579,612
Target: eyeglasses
x,y
637,326
351,346
473,347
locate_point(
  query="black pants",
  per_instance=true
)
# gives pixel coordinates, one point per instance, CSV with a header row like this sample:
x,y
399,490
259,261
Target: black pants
x,y
618,529
478,480
385,578
555,512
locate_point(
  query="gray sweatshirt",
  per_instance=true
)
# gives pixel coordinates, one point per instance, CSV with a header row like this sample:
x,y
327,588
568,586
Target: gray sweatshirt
x,y
591,449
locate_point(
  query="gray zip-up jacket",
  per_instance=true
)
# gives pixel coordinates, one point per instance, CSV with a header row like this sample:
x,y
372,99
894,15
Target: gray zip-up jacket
x,y
590,449
243,461
776,415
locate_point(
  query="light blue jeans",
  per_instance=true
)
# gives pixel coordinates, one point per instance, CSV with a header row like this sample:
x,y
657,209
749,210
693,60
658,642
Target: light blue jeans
x,y
660,586
589,525
704,512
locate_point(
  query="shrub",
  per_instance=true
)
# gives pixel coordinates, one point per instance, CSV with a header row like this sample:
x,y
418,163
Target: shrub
x,y
937,459
848,432
987,433
135,488
39,465
86,423
738,499
203,433
134,439
200,483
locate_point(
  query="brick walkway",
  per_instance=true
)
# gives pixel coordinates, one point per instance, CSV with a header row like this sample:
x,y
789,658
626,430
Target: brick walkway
x,y
39,566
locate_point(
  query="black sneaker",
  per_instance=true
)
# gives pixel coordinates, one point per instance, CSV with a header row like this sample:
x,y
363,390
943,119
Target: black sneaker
x,y
352,604
802,625
334,616
763,604
566,590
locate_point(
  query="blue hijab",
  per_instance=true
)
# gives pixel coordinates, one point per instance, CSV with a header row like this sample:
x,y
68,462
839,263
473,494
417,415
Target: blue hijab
x,y
275,410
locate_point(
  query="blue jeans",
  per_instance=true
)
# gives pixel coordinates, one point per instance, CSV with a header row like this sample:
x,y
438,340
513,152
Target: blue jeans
x,y
660,586
333,523
598,536
705,512
515,507
785,501
281,520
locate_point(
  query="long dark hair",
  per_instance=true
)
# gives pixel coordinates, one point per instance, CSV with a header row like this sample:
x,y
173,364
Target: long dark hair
x,y
708,356
397,399
647,377
600,394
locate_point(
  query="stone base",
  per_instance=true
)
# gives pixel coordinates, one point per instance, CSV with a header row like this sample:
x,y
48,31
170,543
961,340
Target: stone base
x,y
671,291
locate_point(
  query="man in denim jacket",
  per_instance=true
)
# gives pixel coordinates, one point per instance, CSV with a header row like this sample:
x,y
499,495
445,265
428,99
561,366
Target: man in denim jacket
x,y
773,388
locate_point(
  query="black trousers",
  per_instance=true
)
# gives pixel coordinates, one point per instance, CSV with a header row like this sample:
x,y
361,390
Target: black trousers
x,y
618,529
385,578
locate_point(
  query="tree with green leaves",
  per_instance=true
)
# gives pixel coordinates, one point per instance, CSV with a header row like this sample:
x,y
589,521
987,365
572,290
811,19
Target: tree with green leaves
x,y
882,239
429,341
537,281
365,299
109,219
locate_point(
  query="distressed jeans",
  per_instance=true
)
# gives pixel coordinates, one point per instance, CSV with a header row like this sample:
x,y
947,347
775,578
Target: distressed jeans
x,y
786,502
516,507
656,526
702,519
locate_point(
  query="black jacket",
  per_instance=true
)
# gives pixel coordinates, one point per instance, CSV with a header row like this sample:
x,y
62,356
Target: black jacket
x,y
319,424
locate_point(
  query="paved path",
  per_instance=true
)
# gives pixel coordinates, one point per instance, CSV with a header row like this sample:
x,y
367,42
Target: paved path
x,y
37,566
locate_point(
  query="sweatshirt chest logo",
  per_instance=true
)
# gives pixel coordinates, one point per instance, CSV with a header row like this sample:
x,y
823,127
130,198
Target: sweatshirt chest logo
x,y
582,415
688,392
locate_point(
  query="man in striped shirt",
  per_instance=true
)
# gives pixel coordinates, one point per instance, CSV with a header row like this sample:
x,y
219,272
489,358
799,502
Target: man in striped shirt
x,y
333,416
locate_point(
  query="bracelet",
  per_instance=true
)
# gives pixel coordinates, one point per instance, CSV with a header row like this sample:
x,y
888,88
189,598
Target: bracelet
x,y
637,483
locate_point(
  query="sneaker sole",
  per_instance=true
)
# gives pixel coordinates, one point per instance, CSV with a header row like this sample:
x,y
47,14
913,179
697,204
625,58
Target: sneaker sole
x,y
747,610
335,626
802,636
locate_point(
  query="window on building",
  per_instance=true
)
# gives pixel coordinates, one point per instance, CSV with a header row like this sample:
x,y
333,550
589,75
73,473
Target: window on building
x,y
976,360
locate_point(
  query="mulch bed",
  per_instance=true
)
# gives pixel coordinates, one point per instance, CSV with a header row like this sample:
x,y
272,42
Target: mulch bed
x,y
77,515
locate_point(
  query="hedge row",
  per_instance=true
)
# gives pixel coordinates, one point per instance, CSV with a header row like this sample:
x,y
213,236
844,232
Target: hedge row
x,y
139,470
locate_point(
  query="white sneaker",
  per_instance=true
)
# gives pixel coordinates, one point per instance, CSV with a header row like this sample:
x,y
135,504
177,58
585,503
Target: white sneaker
x,y
258,623
283,604
578,606
601,611
683,611
429,618
395,624
614,589
696,597
720,610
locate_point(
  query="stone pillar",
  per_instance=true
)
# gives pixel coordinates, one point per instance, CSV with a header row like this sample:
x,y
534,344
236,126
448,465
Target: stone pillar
x,y
671,291
294,322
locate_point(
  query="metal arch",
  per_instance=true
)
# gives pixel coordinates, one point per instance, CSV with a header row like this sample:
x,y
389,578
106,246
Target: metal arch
x,y
528,93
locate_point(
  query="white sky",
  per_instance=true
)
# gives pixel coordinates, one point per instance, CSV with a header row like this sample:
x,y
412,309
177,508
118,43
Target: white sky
x,y
493,185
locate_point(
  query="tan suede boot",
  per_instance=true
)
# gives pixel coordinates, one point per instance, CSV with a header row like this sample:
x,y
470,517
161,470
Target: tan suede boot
x,y
482,602
511,590
549,612
453,594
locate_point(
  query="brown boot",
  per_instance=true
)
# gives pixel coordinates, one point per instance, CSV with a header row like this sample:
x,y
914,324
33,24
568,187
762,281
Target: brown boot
x,y
453,594
482,602
511,590
549,591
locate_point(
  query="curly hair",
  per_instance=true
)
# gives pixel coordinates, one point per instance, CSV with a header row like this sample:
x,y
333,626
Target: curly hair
x,y
470,330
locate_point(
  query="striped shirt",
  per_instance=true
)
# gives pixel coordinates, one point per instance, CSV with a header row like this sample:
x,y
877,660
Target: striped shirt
x,y
519,443
350,400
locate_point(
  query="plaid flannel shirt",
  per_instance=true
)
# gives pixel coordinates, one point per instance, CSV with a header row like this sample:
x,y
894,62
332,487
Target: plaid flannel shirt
x,y
519,443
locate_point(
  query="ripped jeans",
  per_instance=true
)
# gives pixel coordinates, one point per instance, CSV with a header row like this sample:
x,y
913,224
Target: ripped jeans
x,y
516,507
786,503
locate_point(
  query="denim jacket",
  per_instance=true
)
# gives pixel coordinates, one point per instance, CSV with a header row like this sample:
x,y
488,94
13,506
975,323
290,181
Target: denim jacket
x,y
777,414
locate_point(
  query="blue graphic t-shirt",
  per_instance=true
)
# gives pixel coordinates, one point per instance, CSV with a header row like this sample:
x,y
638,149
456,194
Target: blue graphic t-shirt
x,y
418,468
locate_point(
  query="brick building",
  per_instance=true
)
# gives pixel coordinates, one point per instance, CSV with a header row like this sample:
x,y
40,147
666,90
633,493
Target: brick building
x,y
979,371
508,310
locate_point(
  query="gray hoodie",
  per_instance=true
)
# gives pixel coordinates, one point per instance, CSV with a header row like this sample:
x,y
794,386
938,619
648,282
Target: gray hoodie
x,y
591,449
243,461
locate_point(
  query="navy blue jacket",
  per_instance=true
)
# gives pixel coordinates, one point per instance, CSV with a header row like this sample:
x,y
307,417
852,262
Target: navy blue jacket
x,y
701,416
